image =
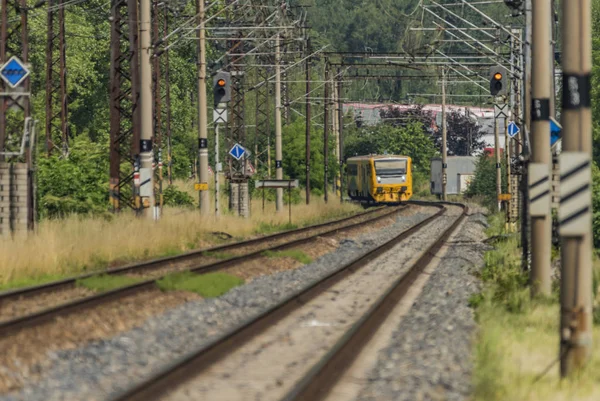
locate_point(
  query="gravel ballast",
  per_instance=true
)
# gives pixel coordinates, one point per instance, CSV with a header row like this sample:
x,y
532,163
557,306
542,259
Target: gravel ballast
x,y
429,356
102,368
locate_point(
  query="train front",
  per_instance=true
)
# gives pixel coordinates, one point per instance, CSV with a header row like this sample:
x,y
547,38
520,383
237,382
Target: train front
x,y
392,180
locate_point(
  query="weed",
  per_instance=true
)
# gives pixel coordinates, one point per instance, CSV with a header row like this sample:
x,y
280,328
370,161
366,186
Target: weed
x,y
291,253
31,281
209,285
103,282
269,228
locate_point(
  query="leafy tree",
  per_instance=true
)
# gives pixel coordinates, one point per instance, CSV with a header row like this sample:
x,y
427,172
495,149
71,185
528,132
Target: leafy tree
x,y
464,136
410,140
77,184
484,181
294,142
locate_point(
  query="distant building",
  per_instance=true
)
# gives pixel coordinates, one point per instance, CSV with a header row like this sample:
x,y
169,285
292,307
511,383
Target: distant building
x,y
484,117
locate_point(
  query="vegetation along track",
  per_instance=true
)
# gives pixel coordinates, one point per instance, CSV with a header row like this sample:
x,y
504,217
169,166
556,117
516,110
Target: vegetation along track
x,y
284,240
334,362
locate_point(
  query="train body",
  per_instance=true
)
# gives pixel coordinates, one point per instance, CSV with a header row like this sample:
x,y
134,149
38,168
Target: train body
x,y
379,179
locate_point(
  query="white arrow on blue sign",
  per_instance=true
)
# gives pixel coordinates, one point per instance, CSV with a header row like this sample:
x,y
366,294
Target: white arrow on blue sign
x,y
237,151
14,72
513,129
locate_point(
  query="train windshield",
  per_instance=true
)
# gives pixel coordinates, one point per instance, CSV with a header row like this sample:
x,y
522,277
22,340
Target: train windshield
x,y
391,171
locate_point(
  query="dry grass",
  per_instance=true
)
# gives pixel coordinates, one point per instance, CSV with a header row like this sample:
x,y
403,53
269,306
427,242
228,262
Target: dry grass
x,y
77,244
513,352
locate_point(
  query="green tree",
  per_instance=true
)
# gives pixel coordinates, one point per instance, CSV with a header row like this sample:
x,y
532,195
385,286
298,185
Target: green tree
x,y
410,140
77,184
294,146
484,181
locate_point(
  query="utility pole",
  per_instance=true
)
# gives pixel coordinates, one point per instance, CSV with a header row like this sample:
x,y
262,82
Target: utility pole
x,y
56,83
498,164
326,133
341,131
336,132
168,102
146,155
217,189
307,152
575,209
539,169
526,134
508,183
203,196
278,150
444,137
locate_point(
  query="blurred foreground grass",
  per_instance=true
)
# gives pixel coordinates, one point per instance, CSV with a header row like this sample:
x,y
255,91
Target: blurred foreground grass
x,y
78,244
517,346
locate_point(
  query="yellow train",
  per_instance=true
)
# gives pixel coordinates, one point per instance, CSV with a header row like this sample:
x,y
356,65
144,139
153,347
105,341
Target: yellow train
x,y
379,179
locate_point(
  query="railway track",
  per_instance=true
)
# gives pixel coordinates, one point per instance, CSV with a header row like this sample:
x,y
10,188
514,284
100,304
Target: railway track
x,y
275,242
325,373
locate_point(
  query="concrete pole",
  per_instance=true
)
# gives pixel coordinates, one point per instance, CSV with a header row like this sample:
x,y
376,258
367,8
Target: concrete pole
x,y
444,137
508,188
525,136
326,134
341,131
278,148
498,164
308,122
146,155
217,160
576,248
204,200
539,174
336,133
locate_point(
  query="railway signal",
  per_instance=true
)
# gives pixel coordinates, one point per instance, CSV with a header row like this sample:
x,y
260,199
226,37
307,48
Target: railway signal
x,y
498,81
222,87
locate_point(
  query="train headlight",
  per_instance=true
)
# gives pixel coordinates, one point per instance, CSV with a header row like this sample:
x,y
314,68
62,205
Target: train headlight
x,y
403,178
379,179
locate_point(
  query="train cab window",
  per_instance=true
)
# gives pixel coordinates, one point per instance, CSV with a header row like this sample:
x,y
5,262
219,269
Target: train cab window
x,y
391,171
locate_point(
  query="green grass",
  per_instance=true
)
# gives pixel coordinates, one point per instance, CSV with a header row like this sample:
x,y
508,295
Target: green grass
x,y
209,285
218,255
268,228
103,282
518,337
291,253
23,282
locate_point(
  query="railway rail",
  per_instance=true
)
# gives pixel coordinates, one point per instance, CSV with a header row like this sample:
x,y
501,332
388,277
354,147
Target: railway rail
x,y
333,363
45,315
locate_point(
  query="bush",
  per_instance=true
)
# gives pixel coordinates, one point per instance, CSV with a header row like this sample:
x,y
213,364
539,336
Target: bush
x,y
76,184
484,181
174,197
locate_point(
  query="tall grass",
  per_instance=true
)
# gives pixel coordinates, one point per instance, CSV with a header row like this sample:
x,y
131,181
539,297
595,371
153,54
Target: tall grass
x,y
77,244
518,341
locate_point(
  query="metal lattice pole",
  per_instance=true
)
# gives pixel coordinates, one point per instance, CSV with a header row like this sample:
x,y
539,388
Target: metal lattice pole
x,y
56,80
262,132
124,98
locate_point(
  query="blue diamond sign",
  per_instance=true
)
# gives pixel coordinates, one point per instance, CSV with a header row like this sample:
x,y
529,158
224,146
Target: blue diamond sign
x,y
513,129
237,151
14,72
555,131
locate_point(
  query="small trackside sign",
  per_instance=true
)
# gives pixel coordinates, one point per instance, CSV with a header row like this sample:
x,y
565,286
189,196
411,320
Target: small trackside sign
x,y
14,72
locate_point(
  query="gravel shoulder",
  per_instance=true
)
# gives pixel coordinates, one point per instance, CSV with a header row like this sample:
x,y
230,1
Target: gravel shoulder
x,y
429,355
269,365
103,367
